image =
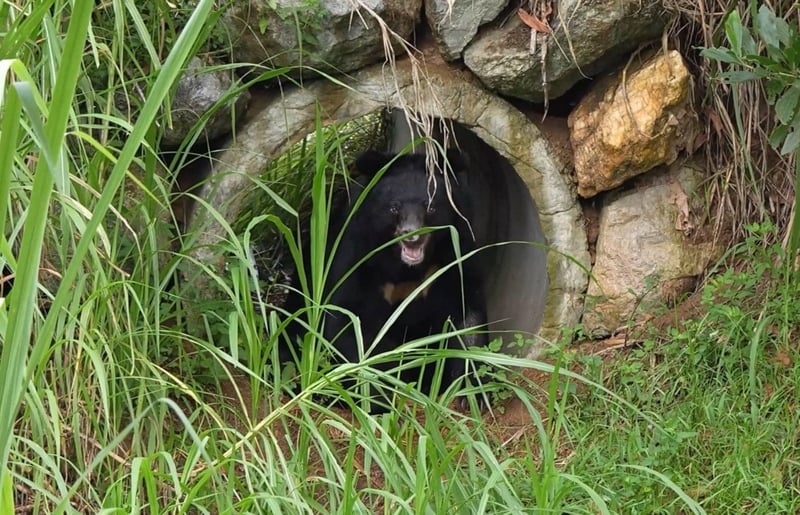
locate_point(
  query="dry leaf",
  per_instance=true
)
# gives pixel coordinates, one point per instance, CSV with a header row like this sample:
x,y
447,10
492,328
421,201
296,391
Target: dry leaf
x,y
533,22
683,222
715,121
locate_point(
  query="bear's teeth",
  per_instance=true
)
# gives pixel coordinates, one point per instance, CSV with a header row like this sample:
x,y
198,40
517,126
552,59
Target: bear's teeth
x,y
412,255
412,239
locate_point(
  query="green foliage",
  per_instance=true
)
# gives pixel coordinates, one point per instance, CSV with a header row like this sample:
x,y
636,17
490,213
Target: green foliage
x,y
42,192
50,173
306,16
137,37
113,402
6,491
721,388
770,53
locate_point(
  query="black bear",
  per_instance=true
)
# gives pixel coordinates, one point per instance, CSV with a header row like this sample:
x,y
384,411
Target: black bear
x,y
404,200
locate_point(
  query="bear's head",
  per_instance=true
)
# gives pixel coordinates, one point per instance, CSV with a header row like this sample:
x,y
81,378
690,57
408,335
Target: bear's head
x,y
406,198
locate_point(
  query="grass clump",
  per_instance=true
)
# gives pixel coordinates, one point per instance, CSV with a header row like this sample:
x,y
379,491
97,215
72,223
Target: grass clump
x,y
109,403
722,388
744,55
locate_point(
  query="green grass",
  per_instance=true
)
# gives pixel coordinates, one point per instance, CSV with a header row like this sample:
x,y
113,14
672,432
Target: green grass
x,y
723,388
120,395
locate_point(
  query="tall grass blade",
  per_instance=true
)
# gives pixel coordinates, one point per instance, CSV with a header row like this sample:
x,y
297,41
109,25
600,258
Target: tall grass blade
x,y
794,228
170,73
22,301
51,168
6,494
9,132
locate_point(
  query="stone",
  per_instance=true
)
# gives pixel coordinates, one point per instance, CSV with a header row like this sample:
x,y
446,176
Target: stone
x,y
454,23
330,36
587,38
632,122
289,116
654,241
200,90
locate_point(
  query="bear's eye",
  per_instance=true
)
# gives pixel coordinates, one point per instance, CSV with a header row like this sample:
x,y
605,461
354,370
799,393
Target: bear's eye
x,y
394,207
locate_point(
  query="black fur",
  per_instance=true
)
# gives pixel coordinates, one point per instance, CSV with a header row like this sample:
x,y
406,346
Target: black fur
x,y
403,200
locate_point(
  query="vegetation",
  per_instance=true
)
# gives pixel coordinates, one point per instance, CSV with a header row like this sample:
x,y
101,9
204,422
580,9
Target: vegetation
x,y
744,41
722,387
771,56
118,398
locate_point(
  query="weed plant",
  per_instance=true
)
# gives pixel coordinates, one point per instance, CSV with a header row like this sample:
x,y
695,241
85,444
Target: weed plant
x,y
744,57
766,52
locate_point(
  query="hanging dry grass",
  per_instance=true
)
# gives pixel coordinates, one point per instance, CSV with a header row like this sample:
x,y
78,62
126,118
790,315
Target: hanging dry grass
x,y
752,182
427,119
422,120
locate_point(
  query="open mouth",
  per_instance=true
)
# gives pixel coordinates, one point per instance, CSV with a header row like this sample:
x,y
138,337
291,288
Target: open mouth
x,y
412,249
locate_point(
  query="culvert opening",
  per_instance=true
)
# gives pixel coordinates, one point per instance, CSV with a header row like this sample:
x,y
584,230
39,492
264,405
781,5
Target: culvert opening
x,y
517,276
514,275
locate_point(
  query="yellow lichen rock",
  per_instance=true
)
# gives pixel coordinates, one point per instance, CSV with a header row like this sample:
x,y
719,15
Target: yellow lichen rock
x,y
632,122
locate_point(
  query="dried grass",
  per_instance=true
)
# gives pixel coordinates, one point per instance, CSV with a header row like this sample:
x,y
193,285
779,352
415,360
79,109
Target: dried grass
x,y
428,118
751,182
423,119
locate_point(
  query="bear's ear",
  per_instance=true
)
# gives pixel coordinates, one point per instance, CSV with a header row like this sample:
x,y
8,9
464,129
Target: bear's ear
x,y
370,162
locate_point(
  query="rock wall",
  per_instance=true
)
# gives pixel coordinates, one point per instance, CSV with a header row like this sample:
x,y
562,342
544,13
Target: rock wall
x,y
466,59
